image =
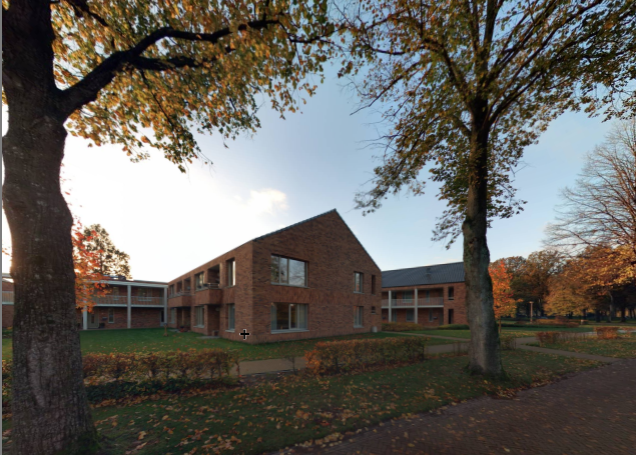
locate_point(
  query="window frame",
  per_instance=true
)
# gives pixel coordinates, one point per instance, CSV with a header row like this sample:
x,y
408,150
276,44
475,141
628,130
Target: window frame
x,y
358,317
431,315
231,273
302,315
231,317
111,315
409,299
199,277
451,293
199,311
287,271
373,285
355,283
173,315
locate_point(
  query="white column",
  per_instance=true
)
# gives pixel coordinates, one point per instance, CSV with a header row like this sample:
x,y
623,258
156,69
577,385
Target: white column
x,y
415,295
129,306
85,318
390,303
165,306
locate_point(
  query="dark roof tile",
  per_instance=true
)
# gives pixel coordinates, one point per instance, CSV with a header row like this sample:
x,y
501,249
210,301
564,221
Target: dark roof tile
x,y
420,276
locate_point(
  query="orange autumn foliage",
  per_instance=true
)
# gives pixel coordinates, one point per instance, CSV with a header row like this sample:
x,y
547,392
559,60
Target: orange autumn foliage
x,y
504,304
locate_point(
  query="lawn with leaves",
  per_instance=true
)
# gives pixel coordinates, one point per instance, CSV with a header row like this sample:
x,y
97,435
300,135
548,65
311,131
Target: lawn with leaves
x,y
517,331
138,340
295,409
623,347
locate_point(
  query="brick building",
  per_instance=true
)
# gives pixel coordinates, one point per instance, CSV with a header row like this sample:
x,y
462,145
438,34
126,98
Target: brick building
x,y
128,305
312,279
431,295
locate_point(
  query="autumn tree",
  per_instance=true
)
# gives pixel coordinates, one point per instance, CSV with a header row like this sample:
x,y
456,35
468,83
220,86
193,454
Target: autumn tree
x,y
464,87
600,209
568,291
135,73
504,303
108,259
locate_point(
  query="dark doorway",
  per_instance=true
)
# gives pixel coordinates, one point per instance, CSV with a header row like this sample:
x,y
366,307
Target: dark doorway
x,y
451,316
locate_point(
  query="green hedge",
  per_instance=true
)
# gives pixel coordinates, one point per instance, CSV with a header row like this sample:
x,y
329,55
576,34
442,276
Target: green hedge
x,y
453,327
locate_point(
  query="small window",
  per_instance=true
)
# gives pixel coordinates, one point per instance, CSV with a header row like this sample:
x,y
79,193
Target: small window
x,y
111,315
231,317
358,283
199,280
231,272
173,315
373,284
410,315
198,316
358,317
289,271
372,310
289,316
451,293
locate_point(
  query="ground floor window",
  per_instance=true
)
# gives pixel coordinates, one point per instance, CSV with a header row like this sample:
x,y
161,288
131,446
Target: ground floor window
x,y
231,317
358,317
289,316
410,315
111,315
394,316
173,315
198,316
430,315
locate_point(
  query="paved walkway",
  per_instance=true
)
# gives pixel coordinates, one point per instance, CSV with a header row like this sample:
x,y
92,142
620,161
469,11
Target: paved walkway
x,y
593,412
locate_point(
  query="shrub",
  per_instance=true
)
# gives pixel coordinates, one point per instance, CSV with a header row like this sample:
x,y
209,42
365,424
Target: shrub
x,y
401,327
607,333
508,341
453,327
548,337
354,355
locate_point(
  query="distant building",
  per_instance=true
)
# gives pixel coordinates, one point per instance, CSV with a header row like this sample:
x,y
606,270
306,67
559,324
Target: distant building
x,y
128,304
432,295
312,279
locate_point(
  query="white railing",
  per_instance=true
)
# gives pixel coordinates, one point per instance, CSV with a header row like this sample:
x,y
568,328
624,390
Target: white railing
x,y
7,296
123,300
421,302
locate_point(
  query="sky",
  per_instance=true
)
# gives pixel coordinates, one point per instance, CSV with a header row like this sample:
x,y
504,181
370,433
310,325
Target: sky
x,y
291,170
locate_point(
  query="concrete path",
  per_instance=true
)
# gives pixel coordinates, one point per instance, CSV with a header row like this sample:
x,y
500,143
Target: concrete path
x,y
593,412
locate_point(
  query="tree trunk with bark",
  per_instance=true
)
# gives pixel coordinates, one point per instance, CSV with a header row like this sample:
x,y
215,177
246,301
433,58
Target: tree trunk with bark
x,y
50,410
484,349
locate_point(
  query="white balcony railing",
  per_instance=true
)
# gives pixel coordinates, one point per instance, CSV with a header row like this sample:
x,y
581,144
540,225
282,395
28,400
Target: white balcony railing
x,y
135,300
421,302
7,296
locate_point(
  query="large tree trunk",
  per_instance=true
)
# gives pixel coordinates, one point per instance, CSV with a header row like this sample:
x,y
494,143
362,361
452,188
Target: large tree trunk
x,y
50,409
484,350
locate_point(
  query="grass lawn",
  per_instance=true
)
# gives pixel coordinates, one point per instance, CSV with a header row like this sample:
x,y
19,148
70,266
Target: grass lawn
x,y
131,340
274,415
624,347
517,331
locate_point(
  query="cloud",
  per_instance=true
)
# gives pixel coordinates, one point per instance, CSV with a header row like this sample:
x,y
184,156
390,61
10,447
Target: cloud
x,y
267,201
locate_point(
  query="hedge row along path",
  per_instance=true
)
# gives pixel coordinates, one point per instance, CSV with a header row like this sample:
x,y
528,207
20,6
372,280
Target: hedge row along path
x,y
588,413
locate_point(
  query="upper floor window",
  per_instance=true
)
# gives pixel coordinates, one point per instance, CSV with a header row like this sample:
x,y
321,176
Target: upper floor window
x,y
231,272
199,280
373,284
188,285
171,289
407,296
143,293
289,271
451,293
358,282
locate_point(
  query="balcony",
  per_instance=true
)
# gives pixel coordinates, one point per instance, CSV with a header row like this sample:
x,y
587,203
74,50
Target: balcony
x,y
7,297
208,294
181,299
410,303
134,301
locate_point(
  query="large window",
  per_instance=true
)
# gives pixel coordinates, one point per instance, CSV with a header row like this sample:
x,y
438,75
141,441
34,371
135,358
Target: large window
x,y
358,282
289,271
289,316
199,280
231,272
231,317
198,316
358,317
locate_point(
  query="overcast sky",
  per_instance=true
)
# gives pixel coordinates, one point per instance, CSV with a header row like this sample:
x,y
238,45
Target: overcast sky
x,y
293,169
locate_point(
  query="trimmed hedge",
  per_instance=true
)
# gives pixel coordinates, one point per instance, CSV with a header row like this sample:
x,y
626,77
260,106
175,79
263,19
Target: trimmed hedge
x,y
401,326
119,375
606,333
334,357
453,327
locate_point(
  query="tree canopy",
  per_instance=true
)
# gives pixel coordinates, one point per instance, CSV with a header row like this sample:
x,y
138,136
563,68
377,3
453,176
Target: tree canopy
x,y
108,259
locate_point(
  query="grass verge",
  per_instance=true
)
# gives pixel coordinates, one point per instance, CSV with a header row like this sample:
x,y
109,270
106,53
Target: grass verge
x,y
295,409
623,347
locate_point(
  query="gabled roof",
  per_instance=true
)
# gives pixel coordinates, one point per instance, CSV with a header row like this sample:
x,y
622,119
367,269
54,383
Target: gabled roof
x,y
313,218
420,276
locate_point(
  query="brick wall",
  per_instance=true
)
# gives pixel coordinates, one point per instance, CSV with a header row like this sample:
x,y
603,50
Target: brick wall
x,y
141,318
7,316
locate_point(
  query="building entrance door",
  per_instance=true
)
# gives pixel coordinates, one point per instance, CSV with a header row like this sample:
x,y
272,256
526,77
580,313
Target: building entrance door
x,y
93,320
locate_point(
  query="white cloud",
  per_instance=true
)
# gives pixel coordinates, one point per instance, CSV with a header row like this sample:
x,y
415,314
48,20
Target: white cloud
x,y
267,201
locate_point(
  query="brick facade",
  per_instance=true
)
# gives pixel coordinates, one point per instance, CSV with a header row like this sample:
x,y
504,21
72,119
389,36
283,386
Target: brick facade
x,y
455,308
7,308
332,254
